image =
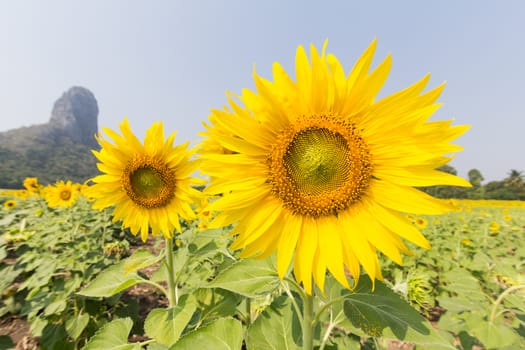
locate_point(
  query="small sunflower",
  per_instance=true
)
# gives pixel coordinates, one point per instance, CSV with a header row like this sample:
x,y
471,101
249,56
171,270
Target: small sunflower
x,y
319,171
32,185
149,184
62,194
10,204
494,226
421,223
466,242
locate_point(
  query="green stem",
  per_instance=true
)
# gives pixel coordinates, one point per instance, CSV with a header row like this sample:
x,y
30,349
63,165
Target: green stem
x,y
172,291
327,306
294,303
158,286
327,335
248,312
308,311
500,299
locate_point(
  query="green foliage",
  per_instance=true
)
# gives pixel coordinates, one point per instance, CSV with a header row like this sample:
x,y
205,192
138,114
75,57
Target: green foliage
x,y
374,308
166,325
222,334
48,160
281,322
48,255
249,278
113,336
470,267
56,272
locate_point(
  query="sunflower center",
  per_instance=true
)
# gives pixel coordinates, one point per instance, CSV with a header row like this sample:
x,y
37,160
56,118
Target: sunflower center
x,y
65,195
319,166
148,182
317,160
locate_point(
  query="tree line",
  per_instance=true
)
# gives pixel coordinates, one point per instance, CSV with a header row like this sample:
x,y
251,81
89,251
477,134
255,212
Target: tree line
x,y
511,187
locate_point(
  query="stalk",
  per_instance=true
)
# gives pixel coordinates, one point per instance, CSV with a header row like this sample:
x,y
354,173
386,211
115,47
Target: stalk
x,y
172,288
308,340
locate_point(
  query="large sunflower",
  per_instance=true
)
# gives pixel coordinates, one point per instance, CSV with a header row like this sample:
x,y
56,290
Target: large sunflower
x,y
149,184
318,167
62,194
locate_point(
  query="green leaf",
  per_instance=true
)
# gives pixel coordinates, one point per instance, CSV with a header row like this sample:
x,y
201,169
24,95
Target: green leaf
x,y
435,340
111,281
113,336
157,346
373,311
6,342
3,253
140,259
223,334
216,303
42,275
76,325
468,290
9,274
166,325
492,334
280,321
56,307
54,336
249,277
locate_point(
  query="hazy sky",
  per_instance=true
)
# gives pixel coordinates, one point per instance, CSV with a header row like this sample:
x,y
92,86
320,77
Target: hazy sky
x,y
174,60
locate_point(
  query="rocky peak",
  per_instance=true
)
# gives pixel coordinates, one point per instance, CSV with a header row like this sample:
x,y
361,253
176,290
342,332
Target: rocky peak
x,y
76,114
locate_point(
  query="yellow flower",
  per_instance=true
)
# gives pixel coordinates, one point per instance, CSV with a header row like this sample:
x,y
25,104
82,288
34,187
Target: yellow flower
x,y
507,217
149,184
494,226
62,194
22,194
466,242
10,204
421,223
32,185
321,169
505,211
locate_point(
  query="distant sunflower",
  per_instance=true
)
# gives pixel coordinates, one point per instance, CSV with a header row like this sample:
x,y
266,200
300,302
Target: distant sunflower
x,y
494,226
62,194
319,168
9,204
32,185
149,184
421,223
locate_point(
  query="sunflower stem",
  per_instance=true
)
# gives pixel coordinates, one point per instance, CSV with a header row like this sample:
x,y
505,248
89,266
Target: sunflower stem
x,y
172,288
308,312
248,312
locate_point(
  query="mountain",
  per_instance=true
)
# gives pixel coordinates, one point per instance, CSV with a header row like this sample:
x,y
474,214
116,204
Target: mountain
x,y
57,150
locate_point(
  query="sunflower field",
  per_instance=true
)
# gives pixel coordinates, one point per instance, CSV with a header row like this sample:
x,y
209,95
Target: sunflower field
x,y
80,281
305,229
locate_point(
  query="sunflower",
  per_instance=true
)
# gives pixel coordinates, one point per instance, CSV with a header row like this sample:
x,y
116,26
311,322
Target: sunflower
x,y
421,223
62,194
32,185
319,171
494,226
149,184
10,204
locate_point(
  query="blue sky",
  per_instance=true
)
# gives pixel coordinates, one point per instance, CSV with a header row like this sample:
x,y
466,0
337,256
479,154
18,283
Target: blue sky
x,y
174,60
